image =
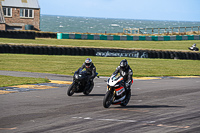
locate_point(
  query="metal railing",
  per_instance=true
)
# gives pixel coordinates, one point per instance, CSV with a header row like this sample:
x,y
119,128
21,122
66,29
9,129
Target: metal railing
x,y
161,30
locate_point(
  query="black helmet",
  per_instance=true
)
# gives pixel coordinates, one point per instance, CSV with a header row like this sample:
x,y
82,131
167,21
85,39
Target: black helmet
x,y
88,62
124,64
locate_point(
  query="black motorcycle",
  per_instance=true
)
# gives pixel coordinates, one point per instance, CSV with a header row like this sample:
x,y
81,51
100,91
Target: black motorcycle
x,y
79,84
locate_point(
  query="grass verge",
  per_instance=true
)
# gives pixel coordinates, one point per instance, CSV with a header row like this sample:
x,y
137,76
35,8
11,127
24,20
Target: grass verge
x,y
105,65
11,81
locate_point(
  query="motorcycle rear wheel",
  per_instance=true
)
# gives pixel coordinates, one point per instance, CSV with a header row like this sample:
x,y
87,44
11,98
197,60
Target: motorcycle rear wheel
x,y
108,98
71,89
125,102
87,91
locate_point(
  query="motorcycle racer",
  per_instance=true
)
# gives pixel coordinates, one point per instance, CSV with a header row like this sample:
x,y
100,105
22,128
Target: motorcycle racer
x,y
90,69
126,72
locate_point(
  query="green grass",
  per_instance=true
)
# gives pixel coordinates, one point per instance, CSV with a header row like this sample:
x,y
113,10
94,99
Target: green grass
x,y
10,81
154,45
105,65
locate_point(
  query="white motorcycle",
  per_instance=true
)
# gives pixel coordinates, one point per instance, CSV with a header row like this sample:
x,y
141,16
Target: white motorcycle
x,y
116,93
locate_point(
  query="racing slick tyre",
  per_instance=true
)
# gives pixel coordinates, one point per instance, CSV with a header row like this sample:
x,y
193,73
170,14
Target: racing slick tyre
x,y
108,98
125,102
87,91
71,89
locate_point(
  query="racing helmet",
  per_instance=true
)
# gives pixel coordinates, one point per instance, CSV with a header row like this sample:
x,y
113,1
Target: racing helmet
x,y
123,64
88,62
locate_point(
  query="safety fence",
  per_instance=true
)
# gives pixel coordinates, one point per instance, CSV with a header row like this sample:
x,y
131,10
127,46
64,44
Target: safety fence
x,y
126,37
46,35
103,52
39,34
161,30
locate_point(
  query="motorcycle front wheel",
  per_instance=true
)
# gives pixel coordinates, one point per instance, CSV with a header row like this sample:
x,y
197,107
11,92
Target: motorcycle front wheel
x,y
108,98
71,89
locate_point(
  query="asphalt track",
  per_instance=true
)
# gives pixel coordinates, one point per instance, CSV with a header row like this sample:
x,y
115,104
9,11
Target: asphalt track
x,y
156,106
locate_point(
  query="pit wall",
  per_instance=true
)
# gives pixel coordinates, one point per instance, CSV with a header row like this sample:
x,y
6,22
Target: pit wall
x,y
126,38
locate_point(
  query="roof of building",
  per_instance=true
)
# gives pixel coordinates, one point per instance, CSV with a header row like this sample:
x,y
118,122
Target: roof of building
x,y
21,3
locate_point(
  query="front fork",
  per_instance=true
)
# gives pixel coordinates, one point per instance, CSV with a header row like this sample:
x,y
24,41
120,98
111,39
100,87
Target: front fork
x,y
75,86
114,92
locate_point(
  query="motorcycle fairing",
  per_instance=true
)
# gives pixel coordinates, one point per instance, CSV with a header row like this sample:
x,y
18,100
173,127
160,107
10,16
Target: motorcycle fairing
x,y
119,100
113,81
119,91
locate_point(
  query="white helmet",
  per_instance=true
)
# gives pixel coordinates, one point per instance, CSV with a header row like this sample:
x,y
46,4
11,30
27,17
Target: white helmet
x,y
88,62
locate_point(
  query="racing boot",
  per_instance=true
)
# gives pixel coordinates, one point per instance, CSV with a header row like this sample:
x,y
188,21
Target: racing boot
x,y
128,90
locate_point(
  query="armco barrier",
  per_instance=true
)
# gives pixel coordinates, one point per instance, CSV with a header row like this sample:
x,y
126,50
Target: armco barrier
x,y
126,37
196,37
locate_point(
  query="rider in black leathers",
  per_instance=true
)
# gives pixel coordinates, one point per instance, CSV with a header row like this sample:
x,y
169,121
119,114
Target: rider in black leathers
x,y
90,70
126,72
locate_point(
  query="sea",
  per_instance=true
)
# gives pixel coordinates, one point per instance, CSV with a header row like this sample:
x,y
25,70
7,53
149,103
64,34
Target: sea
x,y
71,24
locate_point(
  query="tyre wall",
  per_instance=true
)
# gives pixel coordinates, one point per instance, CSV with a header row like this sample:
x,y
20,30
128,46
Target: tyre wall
x,y
125,37
26,34
102,52
17,34
45,35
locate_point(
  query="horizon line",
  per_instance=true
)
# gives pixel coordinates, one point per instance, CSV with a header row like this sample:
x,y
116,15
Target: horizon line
x,y
119,18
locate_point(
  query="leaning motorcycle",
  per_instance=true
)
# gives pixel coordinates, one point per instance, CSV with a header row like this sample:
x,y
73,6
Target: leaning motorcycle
x,y
193,49
116,93
80,80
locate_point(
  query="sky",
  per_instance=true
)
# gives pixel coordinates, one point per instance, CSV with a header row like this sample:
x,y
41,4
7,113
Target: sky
x,y
179,10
